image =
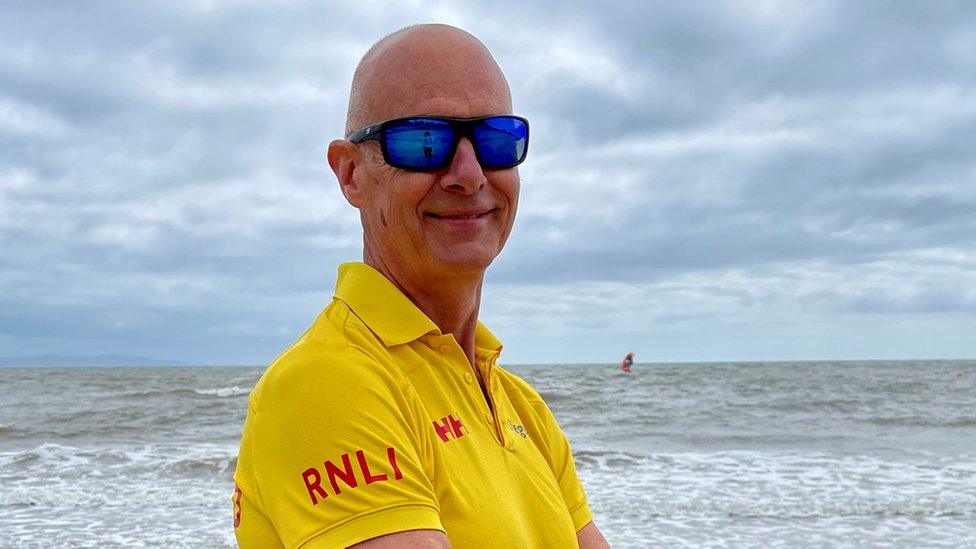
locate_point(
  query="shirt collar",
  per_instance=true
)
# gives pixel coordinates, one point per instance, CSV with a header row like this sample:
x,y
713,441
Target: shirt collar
x,y
389,313
484,339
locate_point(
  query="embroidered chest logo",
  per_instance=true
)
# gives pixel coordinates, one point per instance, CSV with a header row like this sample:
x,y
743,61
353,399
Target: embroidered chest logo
x,y
449,428
517,429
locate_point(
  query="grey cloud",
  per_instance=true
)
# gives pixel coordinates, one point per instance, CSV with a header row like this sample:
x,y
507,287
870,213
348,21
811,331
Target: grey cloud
x,y
694,63
162,166
930,300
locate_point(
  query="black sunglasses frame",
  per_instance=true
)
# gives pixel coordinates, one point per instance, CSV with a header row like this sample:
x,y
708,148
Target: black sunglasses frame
x,y
463,127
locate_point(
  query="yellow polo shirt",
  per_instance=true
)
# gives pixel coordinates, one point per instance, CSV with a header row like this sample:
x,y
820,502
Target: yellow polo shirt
x,y
373,422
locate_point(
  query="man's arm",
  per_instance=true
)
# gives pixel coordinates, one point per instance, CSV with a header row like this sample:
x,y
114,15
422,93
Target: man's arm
x,y
589,537
308,436
413,539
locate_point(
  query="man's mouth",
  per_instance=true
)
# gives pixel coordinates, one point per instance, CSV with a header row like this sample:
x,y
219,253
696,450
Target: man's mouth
x,y
461,215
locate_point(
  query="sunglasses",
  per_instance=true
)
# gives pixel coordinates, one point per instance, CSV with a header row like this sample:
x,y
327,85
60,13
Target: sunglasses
x,y
427,143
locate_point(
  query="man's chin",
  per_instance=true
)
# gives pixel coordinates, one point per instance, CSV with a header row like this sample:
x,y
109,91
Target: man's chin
x,y
463,261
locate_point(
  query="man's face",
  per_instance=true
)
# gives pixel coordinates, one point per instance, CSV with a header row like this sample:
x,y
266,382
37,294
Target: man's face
x,y
452,221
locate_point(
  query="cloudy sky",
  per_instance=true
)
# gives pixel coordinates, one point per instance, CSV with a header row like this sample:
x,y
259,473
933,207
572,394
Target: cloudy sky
x,y
707,181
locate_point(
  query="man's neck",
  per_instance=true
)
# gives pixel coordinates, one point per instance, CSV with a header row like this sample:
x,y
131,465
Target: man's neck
x,y
452,303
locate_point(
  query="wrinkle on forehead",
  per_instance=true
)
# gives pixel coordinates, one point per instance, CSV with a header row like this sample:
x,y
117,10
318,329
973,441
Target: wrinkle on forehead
x,y
427,69
457,103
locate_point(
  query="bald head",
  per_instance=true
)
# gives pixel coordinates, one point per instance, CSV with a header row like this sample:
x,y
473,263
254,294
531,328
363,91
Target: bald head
x,y
426,69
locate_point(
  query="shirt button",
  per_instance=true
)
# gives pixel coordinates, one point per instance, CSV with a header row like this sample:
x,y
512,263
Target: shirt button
x,y
445,349
468,378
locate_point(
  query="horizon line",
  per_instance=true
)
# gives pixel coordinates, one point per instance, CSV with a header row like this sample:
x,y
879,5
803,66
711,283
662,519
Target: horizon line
x,y
186,364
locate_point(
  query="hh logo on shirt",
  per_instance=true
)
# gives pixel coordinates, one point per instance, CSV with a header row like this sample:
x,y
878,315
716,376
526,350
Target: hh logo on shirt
x,y
449,428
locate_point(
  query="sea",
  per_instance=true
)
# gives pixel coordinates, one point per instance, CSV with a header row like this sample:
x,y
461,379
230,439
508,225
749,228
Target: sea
x,y
788,454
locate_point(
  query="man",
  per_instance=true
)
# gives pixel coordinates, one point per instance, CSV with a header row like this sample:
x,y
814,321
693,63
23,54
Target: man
x,y
389,423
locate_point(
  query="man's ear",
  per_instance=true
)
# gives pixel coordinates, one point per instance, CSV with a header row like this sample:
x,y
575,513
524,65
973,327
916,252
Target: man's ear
x,y
344,158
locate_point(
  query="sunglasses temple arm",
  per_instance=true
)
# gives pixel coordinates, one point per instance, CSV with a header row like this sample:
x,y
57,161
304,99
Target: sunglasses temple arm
x,y
365,134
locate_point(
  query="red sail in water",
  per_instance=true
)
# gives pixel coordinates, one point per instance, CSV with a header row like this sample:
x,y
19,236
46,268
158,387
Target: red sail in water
x,y
626,363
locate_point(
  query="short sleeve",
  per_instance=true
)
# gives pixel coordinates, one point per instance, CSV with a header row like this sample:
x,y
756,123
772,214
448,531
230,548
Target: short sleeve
x,y
336,451
251,528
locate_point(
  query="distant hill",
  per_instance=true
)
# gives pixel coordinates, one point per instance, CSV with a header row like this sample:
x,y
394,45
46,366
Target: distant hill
x,y
90,360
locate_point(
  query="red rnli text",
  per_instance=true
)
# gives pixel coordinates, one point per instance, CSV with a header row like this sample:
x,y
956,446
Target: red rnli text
x,y
346,474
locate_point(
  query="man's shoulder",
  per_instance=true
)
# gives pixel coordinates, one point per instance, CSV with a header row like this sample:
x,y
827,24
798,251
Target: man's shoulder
x,y
517,387
337,323
336,354
531,408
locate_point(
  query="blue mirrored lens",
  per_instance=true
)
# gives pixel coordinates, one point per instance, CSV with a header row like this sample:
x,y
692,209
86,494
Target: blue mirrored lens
x,y
419,143
500,141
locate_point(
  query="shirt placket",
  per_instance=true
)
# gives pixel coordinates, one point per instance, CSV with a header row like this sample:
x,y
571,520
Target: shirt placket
x,y
450,352
494,406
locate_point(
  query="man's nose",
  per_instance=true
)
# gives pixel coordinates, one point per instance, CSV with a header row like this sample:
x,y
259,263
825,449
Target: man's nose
x,y
464,175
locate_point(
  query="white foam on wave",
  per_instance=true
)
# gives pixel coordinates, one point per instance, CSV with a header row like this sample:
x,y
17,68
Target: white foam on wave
x,y
655,498
117,496
43,475
224,391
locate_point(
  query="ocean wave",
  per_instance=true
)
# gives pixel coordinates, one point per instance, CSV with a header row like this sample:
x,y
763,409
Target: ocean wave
x,y
835,405
224,391
153,392
551,396
822,507
183,391
47,453
56,462
607,459
915,421
791,485
12,431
